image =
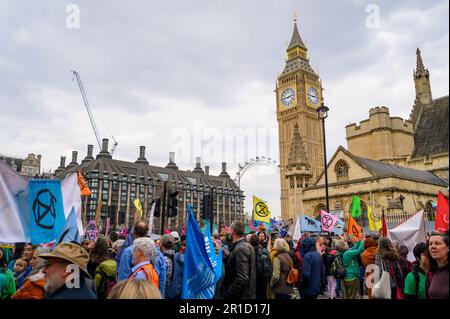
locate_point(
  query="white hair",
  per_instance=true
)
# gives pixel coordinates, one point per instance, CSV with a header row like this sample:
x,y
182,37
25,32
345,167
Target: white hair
x,y
118,244
145,245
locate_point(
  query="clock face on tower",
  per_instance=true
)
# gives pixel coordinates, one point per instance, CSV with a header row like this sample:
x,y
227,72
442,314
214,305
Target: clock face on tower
x,y
288,96
313,96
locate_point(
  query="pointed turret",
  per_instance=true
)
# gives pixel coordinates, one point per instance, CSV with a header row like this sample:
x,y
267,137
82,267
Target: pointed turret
x,y
297,156
296,40
423,87
419,62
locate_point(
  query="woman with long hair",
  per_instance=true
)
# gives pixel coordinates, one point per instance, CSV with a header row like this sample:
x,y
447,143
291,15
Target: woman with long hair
x,y
387,259
437,277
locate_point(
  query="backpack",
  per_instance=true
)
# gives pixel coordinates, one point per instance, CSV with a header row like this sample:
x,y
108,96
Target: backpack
x,y
263,265
417,280
106,284
337,268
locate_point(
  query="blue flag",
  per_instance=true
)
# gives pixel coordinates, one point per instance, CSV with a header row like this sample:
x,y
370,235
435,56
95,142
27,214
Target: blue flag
x,y
70,231
201,265
46,210
339,227
310,225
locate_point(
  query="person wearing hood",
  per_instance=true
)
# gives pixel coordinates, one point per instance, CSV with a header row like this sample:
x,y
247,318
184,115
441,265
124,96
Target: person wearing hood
x,y
7,282
312,280
368,258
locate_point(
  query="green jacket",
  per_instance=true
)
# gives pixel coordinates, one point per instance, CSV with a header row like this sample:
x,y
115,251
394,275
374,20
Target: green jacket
x,y
7,284
109,267
350,263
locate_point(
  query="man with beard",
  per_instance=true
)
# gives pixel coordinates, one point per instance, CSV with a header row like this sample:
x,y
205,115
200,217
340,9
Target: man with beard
x,y
66,273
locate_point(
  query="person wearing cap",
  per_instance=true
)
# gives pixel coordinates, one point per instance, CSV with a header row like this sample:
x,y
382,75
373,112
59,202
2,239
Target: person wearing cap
x,y
167,243
177,245
61,282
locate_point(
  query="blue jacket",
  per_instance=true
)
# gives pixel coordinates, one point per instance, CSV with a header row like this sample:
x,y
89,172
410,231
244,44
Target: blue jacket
x,y
312,269
126,264
83,292
177,283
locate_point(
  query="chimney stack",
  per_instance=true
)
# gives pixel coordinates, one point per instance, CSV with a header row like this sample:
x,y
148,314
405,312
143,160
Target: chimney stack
x,y
62,163
142,159
171,163
104,152
90,151
206,170
198,166
74,157
224,170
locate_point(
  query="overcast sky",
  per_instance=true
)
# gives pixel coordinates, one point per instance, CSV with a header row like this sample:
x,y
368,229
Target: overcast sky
x,y
194,76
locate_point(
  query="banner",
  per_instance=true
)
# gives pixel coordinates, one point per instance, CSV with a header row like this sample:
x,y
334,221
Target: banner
x,y
72,199
310,225
441,223
353,228
201,266
374,220
260,210
339,227
70,231
409,233
84,187
328,221
355,211
150,222
46,210
15,224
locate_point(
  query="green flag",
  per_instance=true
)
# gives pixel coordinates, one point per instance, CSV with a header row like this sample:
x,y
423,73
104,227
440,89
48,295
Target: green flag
x,y
356,207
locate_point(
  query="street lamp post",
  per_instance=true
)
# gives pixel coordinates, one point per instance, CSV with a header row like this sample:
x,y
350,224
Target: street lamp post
x,y
323,114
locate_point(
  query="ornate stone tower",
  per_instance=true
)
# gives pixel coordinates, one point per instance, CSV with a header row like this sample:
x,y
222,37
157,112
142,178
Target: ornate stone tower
x,y
298,94
423,88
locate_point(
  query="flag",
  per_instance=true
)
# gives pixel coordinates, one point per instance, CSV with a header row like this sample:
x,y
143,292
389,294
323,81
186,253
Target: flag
x,y
72,199
328,221
356,207
92,231
70,231
384,229
297,230
138,205
310,225
202,268
46,210
15,224
84,187
353,228
374,220
441,223
409,233
339,227
260,210
150,222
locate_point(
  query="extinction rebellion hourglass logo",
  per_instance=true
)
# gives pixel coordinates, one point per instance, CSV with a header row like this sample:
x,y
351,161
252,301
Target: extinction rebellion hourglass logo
x,y
44,209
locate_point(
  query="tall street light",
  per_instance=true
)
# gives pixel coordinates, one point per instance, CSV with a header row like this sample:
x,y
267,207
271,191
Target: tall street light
x,y
323,114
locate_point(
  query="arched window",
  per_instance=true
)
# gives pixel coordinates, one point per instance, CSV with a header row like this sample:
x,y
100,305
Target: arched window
x,y
341,170
318,209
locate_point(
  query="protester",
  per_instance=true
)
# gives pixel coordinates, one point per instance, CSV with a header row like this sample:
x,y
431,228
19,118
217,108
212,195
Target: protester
x,y
350,263
262,239
98,254
387,259
415,280
327,259
134,289
281,267
105,274
313,273
240,269
7,282
437,284
140,229
20,266
57,271
17,253
368,258
34,286
177,283
117,246
263,267
405,264
143,251
167,243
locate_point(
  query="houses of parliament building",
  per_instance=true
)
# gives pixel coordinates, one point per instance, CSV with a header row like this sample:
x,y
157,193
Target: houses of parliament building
x,y
393,164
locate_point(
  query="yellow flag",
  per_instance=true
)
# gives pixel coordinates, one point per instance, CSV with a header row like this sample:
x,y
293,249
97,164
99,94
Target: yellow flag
x,y
374,219
138,206
260,210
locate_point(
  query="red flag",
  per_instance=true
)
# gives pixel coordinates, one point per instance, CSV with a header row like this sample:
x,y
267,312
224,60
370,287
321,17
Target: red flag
x,y
383,224
441,223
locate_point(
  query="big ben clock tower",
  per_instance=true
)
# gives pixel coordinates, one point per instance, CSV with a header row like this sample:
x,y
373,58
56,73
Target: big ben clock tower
x,y
298,94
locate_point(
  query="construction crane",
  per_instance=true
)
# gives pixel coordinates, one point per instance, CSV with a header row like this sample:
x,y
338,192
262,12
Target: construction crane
x,y
91,116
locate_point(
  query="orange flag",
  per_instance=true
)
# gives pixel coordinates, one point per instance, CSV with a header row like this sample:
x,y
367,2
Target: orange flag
x,y
84,188
353,228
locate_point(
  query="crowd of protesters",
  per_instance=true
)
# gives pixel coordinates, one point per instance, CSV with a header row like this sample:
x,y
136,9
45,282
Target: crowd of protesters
x,y
256,265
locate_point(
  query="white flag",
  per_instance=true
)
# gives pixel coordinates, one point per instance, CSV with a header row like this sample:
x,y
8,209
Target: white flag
x,y
71,194
409,233
150,223
297,230
15,223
